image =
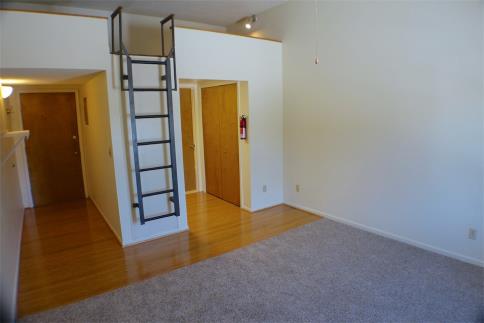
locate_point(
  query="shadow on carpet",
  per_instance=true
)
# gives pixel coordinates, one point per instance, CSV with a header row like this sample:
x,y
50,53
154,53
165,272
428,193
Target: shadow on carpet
x,y
321,272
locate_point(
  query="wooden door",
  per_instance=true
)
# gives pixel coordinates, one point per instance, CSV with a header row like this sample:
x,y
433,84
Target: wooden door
x,y
188,142
211,106
53,152
229,142
221,147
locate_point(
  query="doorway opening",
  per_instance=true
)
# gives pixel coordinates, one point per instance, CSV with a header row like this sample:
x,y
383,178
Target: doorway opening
x,y
215,158
68,157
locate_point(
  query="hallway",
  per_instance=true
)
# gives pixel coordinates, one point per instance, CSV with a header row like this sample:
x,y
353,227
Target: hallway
x,y
69,253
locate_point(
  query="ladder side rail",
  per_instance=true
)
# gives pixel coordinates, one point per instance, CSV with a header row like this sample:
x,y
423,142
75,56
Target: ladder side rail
x,y
134,138
171,131
171,53
116,13
122,50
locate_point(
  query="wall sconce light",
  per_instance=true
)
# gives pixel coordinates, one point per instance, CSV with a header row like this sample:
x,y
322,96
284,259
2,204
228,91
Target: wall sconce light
x,y
6,91
249,22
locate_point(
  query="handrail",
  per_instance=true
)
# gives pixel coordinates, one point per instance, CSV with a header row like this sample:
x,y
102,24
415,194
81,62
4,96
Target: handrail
x,y
123,50
18,137
171,53
115,13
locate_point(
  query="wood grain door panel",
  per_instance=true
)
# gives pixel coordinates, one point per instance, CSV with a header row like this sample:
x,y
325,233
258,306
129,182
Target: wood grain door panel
x,y
187,139
220,129
211,102
230,145
53,152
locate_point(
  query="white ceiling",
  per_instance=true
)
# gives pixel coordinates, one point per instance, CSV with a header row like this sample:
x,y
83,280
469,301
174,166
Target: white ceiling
x,y
21,76
214,12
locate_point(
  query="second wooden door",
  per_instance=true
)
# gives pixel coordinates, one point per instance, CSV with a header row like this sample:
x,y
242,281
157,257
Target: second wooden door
x,y
220,139
53,148
187,140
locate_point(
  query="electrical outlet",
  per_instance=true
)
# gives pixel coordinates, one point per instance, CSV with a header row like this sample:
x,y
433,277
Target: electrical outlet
x,y
298,188
264,188
472,234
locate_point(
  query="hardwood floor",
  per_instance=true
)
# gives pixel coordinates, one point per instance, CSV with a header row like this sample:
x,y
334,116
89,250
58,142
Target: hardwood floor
x,y
69,253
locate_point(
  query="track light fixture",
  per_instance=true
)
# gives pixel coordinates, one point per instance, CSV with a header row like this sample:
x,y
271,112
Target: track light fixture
x,y
316,32
249,22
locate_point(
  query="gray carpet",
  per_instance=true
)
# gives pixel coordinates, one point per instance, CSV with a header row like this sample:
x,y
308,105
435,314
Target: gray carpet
x,y
321,272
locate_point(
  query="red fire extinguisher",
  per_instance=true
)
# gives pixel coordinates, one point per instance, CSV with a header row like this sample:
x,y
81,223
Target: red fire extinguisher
x,y
243,127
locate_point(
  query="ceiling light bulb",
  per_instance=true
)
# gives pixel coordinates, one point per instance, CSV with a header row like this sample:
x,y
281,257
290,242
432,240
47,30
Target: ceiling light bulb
x,y
6,91
248,26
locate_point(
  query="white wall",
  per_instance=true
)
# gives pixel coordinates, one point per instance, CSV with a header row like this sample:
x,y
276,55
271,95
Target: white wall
x,y
11,220
11,214
214,56
37,40
98,160
11,217
387,132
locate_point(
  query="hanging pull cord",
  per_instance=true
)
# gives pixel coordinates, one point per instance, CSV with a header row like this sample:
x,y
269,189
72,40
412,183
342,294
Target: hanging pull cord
x,y
316,32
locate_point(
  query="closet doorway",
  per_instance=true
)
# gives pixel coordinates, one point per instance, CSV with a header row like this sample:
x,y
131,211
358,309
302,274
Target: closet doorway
x,y
220,140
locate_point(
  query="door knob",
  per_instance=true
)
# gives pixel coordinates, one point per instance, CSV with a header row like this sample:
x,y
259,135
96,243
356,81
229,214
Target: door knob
x,y
74,137
192,146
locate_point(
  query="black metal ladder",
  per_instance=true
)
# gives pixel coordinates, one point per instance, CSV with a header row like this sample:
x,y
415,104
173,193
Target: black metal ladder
x,y
165,61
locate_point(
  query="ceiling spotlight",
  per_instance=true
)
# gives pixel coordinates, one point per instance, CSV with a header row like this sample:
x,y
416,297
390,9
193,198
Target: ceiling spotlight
x,y
249,22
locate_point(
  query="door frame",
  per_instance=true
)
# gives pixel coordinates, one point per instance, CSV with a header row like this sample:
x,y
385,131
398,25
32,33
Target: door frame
x,y
23,168
207,84
196,152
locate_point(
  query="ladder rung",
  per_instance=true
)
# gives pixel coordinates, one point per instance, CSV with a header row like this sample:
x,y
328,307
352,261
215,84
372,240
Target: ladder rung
x,y
147,169
160,216
142,61
157,193
153,142
148,89
149,116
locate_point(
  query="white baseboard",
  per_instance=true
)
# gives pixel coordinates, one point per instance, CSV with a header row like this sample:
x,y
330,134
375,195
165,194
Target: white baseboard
x,y
396,237
106,220
261,208
165,234
246,208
